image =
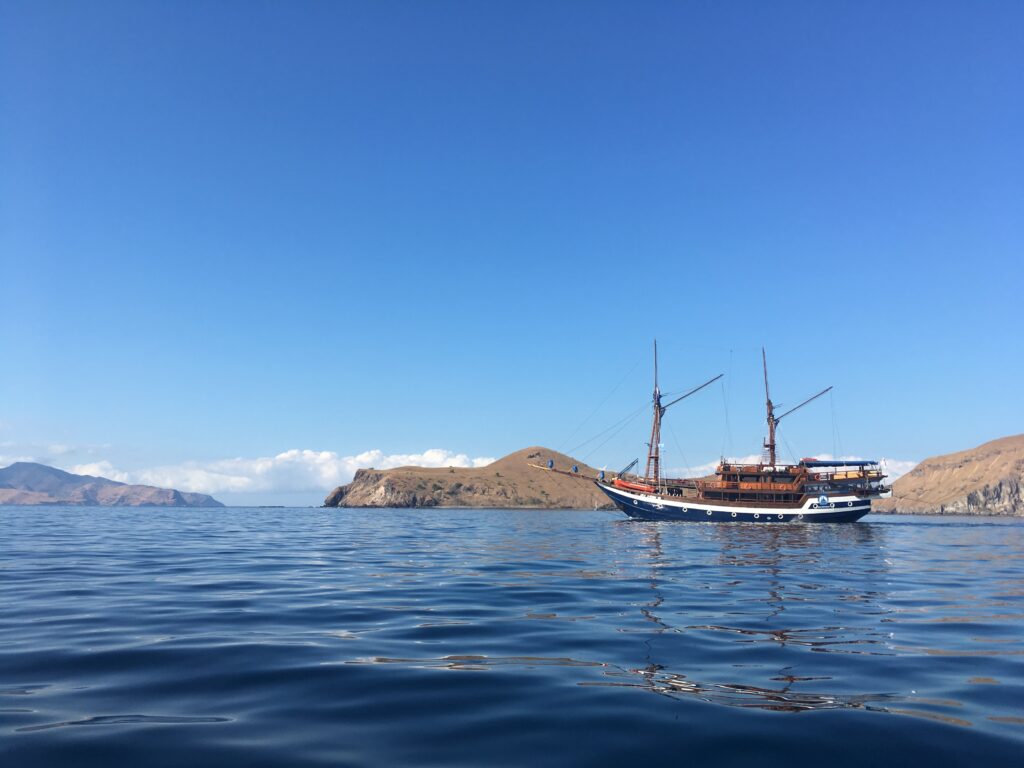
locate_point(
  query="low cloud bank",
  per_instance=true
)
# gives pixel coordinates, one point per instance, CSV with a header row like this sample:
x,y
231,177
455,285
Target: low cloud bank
x,y
292,471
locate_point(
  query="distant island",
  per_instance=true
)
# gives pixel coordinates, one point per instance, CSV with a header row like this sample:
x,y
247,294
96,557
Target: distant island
x,y
509,482
28,483
985,480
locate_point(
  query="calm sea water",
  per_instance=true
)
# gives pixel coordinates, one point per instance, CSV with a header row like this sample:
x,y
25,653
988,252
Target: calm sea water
x,y
308,637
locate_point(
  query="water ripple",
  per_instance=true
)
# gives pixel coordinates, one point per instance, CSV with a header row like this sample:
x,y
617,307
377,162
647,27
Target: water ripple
x,y
462,637
127,720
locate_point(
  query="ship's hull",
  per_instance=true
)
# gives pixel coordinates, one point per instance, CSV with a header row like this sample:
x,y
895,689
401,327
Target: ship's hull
x,y
646,506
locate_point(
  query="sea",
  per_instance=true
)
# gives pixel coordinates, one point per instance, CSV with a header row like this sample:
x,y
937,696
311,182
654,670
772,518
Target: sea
x,y
460,637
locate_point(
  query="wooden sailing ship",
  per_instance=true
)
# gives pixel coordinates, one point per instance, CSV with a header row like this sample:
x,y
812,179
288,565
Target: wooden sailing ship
x,y
808,491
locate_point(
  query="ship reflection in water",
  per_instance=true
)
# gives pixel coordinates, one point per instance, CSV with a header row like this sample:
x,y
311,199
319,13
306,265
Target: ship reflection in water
x,y
782,576
770,550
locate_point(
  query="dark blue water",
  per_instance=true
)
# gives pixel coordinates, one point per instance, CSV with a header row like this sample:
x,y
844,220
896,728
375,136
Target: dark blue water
x,y
324,637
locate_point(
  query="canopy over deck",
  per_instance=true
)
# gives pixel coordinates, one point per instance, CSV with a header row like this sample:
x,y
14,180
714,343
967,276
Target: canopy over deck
x,y
839,463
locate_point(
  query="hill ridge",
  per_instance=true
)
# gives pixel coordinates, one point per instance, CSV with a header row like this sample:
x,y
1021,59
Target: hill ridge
x,y
508,482
985,480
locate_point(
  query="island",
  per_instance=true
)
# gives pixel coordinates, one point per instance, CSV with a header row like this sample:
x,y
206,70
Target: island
x,y
28,483
981,481
509,482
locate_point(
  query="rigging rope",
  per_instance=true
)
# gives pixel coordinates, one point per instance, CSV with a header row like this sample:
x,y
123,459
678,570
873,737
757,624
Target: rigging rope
x,y
728,425
561,448
603,432
679,447
837,441
791,454
623,426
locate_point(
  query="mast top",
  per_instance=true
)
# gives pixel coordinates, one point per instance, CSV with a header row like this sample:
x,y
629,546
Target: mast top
x,y
656,368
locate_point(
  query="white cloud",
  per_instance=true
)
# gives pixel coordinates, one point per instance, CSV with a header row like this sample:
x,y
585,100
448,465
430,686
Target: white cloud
x,y
100,469
896,468
292,471
6,461
48,453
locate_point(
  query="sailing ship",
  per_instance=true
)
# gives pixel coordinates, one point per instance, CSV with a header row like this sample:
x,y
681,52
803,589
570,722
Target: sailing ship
x,y
811,491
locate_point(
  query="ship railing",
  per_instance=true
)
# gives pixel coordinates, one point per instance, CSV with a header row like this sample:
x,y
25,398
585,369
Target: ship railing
x,y
729,485
667,482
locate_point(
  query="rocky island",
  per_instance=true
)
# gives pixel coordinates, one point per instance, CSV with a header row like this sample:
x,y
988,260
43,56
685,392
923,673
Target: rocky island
x,y
28,483
509,482
981,481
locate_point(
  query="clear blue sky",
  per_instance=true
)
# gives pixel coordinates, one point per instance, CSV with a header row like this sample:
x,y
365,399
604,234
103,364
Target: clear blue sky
x,y
229,229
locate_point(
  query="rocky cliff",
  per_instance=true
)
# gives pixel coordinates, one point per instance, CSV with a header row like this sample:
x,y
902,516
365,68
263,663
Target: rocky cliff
x,y
31,484
985,480
508,482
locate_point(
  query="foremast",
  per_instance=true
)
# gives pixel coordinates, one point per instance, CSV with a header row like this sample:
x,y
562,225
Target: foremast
x,y
652,475
769,444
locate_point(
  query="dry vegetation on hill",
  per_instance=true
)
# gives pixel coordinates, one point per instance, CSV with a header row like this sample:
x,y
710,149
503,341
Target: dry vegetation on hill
x,y
508,482
981,481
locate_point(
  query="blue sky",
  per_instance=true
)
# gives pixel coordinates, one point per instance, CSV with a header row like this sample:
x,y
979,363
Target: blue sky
x,y
230,230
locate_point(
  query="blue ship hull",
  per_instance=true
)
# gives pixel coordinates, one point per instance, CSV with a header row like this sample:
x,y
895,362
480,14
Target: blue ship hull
x,y
641,506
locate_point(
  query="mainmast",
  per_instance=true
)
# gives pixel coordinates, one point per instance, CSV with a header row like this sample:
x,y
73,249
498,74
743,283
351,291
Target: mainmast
x,y
773,420
654,447
769,444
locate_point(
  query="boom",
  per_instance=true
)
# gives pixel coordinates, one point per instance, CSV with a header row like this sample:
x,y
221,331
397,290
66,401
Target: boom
x,y
805,402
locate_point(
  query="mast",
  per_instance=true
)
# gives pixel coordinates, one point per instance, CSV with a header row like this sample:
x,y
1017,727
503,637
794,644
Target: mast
x,y
773,420
654,447
653,473
769,444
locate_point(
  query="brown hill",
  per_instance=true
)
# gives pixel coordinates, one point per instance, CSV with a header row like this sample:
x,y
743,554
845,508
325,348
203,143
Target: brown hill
x,y
982,481
508,482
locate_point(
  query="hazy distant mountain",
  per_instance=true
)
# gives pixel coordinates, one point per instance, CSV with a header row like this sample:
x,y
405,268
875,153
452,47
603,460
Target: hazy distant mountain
x,y
985,480
508,482
30,483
